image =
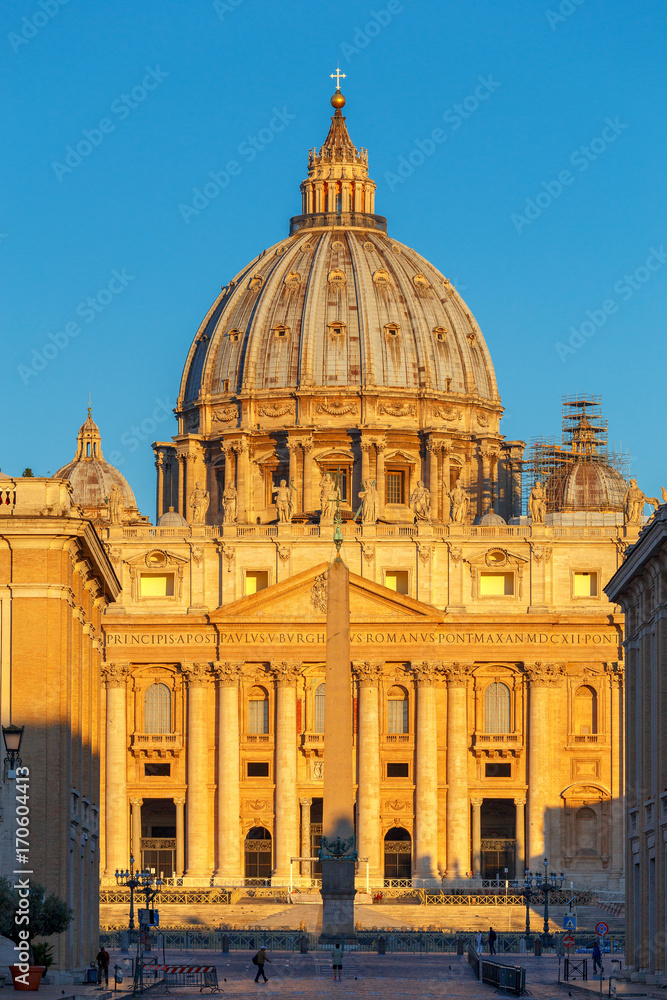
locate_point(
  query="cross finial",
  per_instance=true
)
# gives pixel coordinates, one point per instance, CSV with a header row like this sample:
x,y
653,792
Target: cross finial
x,y
338,76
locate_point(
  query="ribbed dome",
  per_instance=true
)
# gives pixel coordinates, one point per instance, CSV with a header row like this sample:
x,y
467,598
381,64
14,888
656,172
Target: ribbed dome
x,y
172,519
338,308
92,478
586,485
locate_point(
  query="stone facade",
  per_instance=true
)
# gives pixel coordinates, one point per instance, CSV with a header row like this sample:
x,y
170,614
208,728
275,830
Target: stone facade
x,y
639,587
55,581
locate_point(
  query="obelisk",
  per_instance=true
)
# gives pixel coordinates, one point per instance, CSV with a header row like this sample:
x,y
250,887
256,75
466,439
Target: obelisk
x,y
338,851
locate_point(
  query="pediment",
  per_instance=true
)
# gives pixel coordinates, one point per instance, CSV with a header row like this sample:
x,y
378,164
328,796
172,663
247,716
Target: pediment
x,y
301,598
156,559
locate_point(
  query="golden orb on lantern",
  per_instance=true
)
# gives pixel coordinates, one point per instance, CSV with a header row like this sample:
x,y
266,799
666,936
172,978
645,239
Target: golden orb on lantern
x,y
338,101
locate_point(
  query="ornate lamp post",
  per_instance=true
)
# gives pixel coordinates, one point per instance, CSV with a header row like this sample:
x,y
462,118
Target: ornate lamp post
x,y
12,735
536,884
145,883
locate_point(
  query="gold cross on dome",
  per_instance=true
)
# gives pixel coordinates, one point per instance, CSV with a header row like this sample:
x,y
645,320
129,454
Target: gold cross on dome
x,y
338,76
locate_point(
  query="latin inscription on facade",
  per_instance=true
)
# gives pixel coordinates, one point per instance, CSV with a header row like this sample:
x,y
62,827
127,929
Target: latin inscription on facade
x,y
475,637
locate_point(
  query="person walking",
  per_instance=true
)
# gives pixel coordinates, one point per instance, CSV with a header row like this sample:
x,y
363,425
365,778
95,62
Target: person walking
x,y
337,960
492,941
102,959
478,943
259,960
597,958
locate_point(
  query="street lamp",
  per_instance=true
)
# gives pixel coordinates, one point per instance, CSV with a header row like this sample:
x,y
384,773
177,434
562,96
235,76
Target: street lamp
x,y
536,884
145,883
12,735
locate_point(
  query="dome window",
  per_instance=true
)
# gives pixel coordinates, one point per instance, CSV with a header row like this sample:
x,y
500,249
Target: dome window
x,y
395,248
448,384
306,247
280,251
392,330
472,337
381,279
421,282
337,246
293,279
234,335
440,334
255,283
337,329
369,246
336,277
280,332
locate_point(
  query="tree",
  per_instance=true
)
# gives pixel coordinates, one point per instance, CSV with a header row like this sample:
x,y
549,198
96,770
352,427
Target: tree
x,y
28,473
47,914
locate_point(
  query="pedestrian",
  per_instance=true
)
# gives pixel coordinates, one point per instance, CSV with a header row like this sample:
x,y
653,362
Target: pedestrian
x,y
478,944
492,941
102,960
597,958
337,960
259,960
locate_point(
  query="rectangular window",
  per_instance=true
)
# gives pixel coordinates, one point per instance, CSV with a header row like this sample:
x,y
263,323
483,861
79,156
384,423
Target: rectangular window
x,y
394,487
398,769
498,770
157,770
397,716
398,580
341,478
496,584
258,768
585,585
157,584
258,717
256,580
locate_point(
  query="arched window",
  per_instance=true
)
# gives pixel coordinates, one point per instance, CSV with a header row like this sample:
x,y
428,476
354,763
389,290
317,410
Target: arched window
x,y
397,710
258,711
157,709
585,711
320,696
258,855
497,708
586,832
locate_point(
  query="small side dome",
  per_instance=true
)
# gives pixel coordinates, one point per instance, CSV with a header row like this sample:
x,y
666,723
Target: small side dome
x,y
172,519
491,518
586,485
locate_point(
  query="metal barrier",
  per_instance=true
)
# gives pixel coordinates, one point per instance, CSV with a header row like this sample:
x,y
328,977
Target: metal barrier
x,y
203,976
572,966
511,978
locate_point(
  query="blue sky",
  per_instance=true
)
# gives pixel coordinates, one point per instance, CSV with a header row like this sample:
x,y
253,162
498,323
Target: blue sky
x,y
542,198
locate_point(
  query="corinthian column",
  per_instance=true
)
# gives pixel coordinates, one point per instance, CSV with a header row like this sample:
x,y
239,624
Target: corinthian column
x,y
458,806
114,676
307,474
368,773
197,765
541,677
286,805
426,784
380,446
242,477
433,449
365,461
227,834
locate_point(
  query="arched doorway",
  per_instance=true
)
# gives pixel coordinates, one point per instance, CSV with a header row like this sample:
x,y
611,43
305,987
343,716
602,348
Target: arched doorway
x,y
258,856
397,855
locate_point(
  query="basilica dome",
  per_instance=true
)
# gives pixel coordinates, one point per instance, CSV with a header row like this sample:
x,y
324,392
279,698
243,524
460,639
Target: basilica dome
x,y
338,304
93,480
586,485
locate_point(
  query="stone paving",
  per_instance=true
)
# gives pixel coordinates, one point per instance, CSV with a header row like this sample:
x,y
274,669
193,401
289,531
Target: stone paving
x,y
366,974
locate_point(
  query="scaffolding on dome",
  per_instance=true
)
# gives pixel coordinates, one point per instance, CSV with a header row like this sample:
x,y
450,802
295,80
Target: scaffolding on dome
x,y
584,440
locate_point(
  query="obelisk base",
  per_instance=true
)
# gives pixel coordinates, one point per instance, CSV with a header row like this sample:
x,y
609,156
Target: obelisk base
x,y
338,894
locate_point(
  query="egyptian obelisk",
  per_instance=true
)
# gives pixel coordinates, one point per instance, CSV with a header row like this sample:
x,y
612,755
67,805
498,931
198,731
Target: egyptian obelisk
x,y
338,851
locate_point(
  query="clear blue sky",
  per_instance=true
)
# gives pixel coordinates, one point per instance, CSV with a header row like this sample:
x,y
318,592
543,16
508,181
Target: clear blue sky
x,y
538,202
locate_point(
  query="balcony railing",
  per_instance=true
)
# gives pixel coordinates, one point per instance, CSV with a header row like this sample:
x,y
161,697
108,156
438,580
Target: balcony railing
x,y
398,738
498,738
169,741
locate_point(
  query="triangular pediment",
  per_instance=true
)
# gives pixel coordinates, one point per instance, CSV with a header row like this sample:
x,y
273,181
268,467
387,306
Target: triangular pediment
x,y
301,598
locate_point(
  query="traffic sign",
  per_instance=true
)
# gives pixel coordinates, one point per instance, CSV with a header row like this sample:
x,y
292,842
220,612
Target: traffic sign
x,y
570,922
568,941
601,929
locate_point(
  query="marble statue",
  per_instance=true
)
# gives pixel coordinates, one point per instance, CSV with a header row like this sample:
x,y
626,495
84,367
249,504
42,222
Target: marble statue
x,y
198,502
284,501
537,503
460,504
328,497
369,502
229,500
420,502
116,505
633,503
